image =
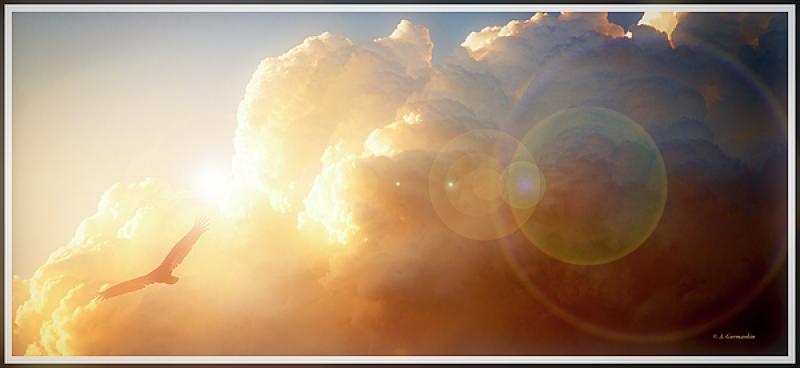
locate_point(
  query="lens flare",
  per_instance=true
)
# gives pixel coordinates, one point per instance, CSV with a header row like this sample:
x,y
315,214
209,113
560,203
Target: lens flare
x,y
523,184
477,175
476,180
606,186
663,325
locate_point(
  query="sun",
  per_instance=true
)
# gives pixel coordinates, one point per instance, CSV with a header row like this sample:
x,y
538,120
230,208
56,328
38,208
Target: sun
x,y
210,184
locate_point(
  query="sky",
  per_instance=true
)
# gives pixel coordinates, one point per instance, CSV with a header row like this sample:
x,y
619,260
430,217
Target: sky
x,y
85,81
400,184
155,76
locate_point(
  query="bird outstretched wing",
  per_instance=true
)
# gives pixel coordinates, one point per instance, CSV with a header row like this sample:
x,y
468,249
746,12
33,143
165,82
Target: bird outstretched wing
x,y
162,273
126,287
182,247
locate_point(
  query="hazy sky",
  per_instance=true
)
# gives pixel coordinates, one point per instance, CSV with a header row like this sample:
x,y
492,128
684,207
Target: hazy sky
x,y
96,96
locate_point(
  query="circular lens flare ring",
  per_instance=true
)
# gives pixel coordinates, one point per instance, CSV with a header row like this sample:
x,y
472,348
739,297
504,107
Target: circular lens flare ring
x,y
606,186
523,185
469,184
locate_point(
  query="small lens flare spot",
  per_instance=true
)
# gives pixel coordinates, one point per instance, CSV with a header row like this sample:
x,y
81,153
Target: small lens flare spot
x,y
397,184
451,184
524,185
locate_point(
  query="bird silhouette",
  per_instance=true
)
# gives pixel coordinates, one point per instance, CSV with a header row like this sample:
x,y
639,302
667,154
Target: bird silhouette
x,y
162,273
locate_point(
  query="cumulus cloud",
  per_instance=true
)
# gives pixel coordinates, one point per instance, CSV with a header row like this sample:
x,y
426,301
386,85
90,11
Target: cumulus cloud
x,y
355,89
330,243
515,52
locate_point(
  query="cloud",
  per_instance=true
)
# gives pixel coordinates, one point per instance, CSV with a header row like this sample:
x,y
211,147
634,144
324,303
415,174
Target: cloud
x,y
355,89
330,244
520,48
662,21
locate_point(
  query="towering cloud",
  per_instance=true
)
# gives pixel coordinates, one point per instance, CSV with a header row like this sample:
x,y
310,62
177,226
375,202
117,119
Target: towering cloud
x,y
330,243
324,93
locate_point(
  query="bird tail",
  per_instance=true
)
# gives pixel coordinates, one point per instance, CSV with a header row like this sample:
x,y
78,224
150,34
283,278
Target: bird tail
x,y
164,278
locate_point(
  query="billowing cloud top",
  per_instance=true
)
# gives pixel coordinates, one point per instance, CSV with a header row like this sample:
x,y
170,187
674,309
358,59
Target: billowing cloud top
x,y
331,242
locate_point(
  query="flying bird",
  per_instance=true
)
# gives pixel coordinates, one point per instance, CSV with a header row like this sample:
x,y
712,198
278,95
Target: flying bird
x,y
162,273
